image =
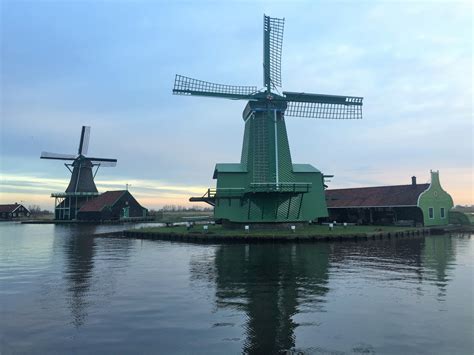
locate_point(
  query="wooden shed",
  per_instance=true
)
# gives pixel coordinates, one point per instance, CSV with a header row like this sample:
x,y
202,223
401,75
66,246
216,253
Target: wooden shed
x,y
419,204
14,211
112,205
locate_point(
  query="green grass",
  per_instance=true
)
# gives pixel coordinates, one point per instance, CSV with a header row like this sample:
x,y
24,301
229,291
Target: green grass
x,y
182,216
301,231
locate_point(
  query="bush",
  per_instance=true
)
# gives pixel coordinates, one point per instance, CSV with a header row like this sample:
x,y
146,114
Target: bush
x,y
456,217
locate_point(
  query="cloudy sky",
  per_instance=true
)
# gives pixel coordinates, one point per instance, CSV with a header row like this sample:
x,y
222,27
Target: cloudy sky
x,y
111,65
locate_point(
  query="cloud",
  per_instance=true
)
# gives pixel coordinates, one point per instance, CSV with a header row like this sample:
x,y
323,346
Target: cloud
x,y
114,69
152,194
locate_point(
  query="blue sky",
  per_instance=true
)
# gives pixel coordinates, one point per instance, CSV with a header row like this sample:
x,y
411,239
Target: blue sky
x,y
111,65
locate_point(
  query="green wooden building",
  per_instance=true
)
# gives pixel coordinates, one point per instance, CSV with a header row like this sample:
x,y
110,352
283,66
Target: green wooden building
x,y
419,204
435,203
266,187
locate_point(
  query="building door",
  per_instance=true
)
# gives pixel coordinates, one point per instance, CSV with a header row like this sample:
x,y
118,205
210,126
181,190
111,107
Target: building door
x,y
126,212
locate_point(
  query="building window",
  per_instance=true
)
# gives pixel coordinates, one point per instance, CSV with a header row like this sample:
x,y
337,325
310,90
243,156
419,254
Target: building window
x,y
431,212
442,212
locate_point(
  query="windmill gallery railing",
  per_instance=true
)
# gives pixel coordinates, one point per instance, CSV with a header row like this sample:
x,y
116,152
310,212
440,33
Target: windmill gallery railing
x,y
74,194
237,192
291,187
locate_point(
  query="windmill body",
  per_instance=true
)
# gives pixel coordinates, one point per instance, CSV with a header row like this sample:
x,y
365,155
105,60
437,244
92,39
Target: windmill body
x,y
81,186
82,178
266,187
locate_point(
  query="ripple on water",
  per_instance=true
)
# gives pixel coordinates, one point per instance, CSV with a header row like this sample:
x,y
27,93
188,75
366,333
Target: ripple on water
x,y
65,291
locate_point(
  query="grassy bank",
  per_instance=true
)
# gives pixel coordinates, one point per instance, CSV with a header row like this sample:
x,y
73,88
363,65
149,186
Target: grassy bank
x,y
182,216
218,230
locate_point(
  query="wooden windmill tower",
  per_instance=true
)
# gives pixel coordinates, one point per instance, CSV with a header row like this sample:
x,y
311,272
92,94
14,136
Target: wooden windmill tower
x,y
266,187
81,186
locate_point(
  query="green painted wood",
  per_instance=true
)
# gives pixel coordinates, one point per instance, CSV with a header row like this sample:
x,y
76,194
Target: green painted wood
x,y
271,192
266,186
435,199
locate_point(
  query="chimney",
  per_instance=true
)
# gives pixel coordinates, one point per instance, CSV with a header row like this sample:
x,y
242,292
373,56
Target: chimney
x,y
413,180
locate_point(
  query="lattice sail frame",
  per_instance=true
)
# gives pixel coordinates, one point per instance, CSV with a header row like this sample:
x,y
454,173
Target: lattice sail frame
x,y
104,163
184,85
298,104
272,49
323,106
57,156
322,110
82,151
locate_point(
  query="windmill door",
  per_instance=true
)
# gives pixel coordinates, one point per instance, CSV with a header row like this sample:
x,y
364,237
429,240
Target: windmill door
x,y
126,212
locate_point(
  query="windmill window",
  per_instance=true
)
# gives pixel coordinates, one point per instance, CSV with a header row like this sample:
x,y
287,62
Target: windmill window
x,y
431,213
442,214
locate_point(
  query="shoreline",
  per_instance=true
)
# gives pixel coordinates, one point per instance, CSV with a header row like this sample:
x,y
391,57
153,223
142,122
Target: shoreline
x,y
52,221
232,236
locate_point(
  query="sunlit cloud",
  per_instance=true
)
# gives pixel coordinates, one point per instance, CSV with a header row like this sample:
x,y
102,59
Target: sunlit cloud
x,y
412,62
152,194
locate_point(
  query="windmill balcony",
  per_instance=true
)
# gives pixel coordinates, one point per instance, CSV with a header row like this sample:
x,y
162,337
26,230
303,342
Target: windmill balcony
x,y
296,187
74,194
211,194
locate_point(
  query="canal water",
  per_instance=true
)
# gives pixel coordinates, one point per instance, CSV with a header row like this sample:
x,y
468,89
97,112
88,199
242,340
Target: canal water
x,y
64,291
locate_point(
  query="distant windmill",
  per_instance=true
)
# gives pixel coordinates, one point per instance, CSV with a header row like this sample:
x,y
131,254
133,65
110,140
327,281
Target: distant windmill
x,y
81,186
265,186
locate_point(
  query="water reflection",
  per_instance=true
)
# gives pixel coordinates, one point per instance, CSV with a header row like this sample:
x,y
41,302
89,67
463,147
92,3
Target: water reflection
x,y
381,260
273,285
438,259
268,283
79,251
86,286
63,291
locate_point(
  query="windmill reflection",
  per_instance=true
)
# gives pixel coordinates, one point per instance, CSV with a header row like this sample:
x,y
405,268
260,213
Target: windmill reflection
x,y
86,283
268,283
276,285
79,252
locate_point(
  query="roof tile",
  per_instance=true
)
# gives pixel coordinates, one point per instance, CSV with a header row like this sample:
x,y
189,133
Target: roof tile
x,y
97,204
9,207
380,196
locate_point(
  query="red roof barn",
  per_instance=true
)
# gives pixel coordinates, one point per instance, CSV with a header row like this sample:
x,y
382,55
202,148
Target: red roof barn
x,y
112,205
14,210
377,205
380,196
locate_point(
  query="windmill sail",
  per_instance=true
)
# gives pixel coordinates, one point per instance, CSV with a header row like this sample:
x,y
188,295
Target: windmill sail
x,y
272,47
189,86
82,178
57,156
323,106
103,162
84,142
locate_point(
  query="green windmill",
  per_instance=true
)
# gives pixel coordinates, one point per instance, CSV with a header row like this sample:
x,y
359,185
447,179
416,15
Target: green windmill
x,y
266,187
